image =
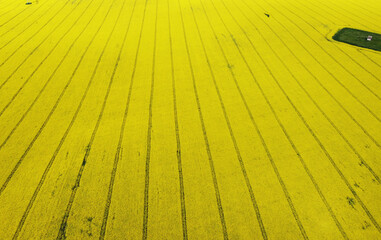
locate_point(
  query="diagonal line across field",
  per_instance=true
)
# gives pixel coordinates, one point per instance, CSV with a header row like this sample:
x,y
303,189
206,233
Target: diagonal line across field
x,y
189,119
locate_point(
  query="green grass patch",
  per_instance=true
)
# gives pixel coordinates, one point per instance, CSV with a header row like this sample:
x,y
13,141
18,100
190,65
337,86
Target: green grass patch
x,y
359,38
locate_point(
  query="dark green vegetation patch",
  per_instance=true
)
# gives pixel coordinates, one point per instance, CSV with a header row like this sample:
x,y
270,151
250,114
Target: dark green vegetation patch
x,y
359,38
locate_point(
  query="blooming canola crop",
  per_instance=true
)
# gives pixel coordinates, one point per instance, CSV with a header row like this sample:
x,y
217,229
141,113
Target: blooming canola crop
x,y
192,119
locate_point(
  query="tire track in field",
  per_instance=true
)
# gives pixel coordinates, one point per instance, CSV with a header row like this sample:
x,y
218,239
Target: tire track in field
x,y
26,41
46,83
332,57
177,130
375,223
119,150
361,51
332,16
1,25
289,139
367,9
317,188
62,230
330,121
7,5
362,160
11,3
335,12
345,110
9,10
343,9
232,136
335,45
40,64
149,134
22,20
4,185
210,158
275,168
9,77
6,44
334,23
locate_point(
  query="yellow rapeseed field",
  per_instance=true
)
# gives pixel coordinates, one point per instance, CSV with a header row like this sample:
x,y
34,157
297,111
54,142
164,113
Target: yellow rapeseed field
x,y
189,119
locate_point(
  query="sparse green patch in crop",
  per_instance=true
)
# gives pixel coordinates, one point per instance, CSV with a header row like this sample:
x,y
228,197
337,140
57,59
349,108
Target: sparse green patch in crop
x,y
359,38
